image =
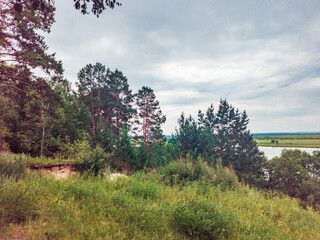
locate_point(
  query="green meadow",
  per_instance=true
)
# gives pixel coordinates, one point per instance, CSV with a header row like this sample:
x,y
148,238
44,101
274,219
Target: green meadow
x,y
303,140
182,200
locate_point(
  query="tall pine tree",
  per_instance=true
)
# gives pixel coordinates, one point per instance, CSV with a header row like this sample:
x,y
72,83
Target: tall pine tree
x,y
22,48
150,113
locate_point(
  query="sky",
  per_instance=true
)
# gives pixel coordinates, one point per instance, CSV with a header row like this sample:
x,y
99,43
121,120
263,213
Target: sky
x,y
262,56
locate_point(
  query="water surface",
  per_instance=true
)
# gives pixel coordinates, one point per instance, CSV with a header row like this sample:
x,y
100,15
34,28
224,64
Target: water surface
x,y
271,152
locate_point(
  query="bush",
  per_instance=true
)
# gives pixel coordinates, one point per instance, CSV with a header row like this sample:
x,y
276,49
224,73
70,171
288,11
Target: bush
x,y
76,150
18,202
296,174
185,171
205,220
94,162
224,177
146,190
176,172
189,171
12,168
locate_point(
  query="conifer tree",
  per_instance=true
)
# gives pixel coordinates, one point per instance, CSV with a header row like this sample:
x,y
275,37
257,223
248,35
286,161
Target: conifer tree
x,y
150,113
120,100
22,48
86,87
235,144
188,134
224,135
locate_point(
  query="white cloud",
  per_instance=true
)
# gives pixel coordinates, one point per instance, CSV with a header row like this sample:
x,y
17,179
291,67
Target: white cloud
x,y
262,56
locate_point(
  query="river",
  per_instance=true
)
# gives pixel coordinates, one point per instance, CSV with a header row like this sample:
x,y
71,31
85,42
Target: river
x,y
271,152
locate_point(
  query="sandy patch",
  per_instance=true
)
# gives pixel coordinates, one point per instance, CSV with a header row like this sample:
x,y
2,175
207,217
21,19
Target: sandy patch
x,y
60,173
115,176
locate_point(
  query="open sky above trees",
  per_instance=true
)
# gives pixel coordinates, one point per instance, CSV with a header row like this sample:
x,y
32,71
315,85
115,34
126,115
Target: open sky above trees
x,y
263,56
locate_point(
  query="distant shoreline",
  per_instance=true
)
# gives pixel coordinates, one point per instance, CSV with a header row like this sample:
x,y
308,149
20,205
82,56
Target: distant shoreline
x,y
285,133
304,140
275,146
285,139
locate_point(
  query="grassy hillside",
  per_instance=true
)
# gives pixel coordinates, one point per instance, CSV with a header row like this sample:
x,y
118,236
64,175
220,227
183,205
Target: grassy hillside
x,y
303,140
173,203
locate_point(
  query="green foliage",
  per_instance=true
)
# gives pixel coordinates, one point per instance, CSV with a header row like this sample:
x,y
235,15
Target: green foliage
x,y
154,155
18,201
27,159
189,135
182,171
95,162
124,154
109,99
142,207
11,167
43,125
224,135
146,190
76,150
150,113
141,157
224,177
186,172
296,174
205,220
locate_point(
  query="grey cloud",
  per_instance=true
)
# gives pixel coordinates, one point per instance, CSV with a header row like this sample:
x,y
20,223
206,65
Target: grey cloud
x,y
263,56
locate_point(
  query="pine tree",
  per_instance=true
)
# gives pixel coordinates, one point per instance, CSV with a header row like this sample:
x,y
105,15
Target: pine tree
x,y
235,144
224,135
120,101
150,113
86,87
22,48
188,134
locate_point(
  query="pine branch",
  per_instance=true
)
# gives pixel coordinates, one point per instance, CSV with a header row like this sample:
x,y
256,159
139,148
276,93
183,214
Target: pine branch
x,y
19,89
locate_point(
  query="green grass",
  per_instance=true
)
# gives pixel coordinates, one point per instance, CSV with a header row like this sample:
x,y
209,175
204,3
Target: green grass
x,y
304,140
148,206
34,160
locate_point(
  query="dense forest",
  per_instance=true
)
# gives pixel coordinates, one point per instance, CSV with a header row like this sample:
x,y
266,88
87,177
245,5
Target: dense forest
x,y
103,125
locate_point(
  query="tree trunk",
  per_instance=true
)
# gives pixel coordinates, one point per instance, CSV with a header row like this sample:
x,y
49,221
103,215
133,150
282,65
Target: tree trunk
x,y
118,117
98,98
92,114
144,121
1,145
42,140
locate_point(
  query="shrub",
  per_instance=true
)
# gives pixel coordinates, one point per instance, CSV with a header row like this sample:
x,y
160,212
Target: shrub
x,y
12,168
224,177
18,202
187,171
94,162
184,171
204,220
146,190
296,174
177,172
76,150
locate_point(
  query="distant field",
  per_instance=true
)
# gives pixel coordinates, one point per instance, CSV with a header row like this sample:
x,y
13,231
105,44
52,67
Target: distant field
x,y
299,140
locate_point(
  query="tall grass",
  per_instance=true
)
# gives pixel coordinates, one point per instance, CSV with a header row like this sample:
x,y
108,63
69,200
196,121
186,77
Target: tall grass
x,y
11,166
27,159
145,206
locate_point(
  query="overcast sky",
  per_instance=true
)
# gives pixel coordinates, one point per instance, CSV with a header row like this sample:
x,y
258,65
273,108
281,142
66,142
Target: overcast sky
x,y
262,56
